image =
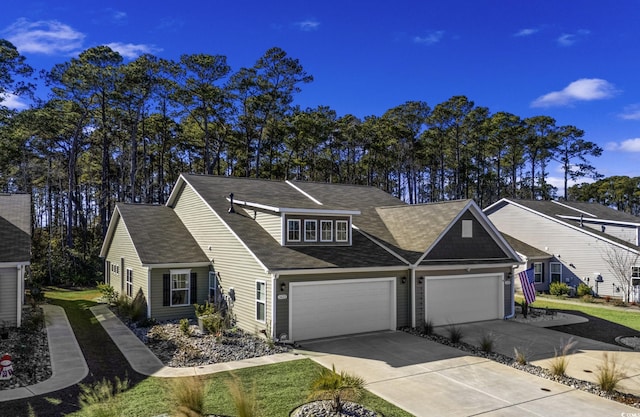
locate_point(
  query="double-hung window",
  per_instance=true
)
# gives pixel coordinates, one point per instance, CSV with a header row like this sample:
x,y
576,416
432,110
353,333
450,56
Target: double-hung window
x,y
326,230
293,230
261,300
180,287
310,230
537,272
342,232
555,270
129,282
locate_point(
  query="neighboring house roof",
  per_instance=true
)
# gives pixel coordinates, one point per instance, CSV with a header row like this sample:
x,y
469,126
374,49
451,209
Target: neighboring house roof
x,y
158,235
569,213
15,228
525,249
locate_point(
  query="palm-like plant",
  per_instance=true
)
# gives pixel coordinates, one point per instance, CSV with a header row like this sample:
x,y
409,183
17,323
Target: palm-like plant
x,y
336,387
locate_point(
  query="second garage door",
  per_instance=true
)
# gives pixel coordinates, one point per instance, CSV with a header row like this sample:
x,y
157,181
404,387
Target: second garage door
x,y
462,299
332,308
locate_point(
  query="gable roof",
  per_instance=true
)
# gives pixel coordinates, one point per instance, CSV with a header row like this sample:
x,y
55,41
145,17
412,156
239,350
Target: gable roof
x,y
525,249
15,228
158,235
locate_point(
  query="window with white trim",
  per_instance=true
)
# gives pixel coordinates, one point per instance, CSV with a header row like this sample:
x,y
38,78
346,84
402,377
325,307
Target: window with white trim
x,y
213,287
310,230
128,285
180,287
326,230
635,272
467,228
261,300
293,230
537,272
342,231
555,271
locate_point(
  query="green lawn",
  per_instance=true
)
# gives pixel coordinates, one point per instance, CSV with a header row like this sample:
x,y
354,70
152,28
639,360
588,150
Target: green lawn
x,y
629,319
277,388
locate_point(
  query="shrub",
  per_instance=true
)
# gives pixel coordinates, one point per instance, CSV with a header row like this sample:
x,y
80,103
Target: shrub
x,y
243,401
426,327
520,356
559,288
609,374
560,362
109,294
185,327
133,310
587,298
486,342
455,333
583,289
619,303
336,387
188,395
99,399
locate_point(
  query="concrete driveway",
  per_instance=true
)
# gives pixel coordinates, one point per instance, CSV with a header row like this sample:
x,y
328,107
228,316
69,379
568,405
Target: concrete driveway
x,y
429,379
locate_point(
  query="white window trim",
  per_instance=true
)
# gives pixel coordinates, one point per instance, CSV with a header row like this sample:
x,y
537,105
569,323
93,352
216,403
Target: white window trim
x,y
346,223
289,221
315,223
186,272
467,229
128,284
635,271
551,273
263,302
330,223
541,273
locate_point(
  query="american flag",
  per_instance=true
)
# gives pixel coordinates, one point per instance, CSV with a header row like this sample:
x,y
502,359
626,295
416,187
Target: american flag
x,y
528,288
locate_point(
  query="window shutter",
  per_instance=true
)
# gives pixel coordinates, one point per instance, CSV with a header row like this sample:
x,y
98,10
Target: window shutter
x,y
194,288
166,289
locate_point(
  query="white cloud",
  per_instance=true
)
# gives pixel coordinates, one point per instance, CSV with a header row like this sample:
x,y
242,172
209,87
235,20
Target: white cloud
x,y
12,101
584,89
631,112
132,51
430,39
526,32
47,37
568,39
308,25
628,145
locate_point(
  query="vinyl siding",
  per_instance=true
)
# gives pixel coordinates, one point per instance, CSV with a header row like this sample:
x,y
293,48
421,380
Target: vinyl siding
x,y
403,317
628,234
8,295
270,222
568,245
122,248
238,269
160,312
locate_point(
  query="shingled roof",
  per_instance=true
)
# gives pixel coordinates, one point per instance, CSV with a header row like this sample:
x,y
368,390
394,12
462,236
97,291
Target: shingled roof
x,y
15,228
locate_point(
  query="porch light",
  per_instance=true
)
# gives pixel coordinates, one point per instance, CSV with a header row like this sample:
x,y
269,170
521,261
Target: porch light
x,y
283,287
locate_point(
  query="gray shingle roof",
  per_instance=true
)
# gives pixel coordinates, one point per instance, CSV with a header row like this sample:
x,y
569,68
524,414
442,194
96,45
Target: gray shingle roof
x,y
158,235
15,227
526,249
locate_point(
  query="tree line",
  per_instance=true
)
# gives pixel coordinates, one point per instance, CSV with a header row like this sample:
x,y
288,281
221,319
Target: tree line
x,y
114,131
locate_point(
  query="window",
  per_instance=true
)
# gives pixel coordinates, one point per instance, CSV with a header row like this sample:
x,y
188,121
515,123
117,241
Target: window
x,y
537,272
467,228
310,230
342,233
326,230
129,282
635,272
212,287
293,230
180,288
261,300
555,270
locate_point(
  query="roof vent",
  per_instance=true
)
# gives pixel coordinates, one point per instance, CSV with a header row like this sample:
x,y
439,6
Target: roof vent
x,y
603,228
581,220
231,209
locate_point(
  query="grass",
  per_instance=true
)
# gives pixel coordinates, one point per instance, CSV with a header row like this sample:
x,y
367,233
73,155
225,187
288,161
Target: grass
x,y
610,373
628,319
278,388
560,362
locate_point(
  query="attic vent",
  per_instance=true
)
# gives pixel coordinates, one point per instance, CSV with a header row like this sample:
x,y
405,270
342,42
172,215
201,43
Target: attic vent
x,y
581,220
603,228
231,209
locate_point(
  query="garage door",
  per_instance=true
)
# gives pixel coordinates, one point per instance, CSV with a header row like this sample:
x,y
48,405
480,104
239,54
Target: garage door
x,y
462,299
332,308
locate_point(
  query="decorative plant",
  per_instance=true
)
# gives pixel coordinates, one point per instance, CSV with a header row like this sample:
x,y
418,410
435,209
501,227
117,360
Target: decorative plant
x,y
336,387
560,362
244,401
559,289
455,333
426,327
609,374
101,398
487,341
188,395
185,327
520,356
583,289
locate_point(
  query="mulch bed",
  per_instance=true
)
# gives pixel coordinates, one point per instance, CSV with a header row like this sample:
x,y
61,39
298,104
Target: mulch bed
x,y
596,328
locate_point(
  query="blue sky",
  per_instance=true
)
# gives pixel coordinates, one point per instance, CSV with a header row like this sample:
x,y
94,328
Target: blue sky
x,y
576,61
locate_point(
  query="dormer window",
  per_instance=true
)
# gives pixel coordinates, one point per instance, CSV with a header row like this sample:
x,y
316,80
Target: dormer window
x,y
342,231
310,230
293,230
326,230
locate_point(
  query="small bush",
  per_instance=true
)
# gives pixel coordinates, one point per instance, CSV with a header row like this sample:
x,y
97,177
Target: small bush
x,y
583,289
100,398
487,341
619,303
559,289
130,309
560,361
109,294
185,327
520,356
336,388
455,333
426,327
188,395
587,298
609,374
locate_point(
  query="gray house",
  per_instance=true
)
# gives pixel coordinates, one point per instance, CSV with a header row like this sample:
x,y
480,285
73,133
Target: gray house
x,y
572,242
15,254
300,260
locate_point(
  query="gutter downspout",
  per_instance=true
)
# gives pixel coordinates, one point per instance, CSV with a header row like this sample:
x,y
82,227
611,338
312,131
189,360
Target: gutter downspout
x,y
274,279
20,300
412,271
513,293
149,292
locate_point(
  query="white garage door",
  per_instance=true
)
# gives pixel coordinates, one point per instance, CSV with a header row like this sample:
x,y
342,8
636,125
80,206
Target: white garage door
x,y
462,299
332,308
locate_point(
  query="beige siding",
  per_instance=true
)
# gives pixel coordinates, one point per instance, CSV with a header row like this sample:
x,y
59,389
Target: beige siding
x,y
122,254
570,246
8,295
402,294
628,234
160,312
237,267
271,222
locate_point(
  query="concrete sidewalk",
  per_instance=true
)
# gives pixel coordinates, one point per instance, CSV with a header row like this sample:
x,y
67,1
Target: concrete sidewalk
x,y
67,361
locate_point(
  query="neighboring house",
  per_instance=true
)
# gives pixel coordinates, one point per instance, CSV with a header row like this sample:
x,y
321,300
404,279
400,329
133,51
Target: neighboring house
x,y
571,241
299,260
15,254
